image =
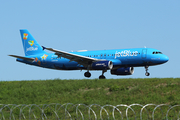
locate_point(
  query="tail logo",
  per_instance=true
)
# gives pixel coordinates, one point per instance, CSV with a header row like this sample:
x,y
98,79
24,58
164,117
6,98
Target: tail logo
x,y
31,48
31,42
25,36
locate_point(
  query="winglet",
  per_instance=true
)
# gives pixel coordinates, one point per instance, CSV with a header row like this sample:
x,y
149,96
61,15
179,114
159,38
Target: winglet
x,y
43,47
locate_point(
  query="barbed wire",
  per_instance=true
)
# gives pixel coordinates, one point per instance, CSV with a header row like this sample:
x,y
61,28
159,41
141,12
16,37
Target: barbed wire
x,y
70,111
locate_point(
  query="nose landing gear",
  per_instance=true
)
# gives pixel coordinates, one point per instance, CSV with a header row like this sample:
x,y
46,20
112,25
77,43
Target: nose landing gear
x,y
147,73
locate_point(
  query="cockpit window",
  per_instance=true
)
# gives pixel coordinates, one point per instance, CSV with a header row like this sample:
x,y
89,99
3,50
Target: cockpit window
x,y
157,52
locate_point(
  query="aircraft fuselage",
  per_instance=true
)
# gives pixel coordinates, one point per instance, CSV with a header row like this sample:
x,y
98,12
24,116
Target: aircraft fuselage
x,y
136,57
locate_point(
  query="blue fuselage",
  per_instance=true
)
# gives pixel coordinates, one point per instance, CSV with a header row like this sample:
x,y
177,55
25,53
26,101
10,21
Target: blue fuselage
x,y
136,57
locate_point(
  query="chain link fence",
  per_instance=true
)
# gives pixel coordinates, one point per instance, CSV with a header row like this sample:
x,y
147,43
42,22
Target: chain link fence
x,y
71,111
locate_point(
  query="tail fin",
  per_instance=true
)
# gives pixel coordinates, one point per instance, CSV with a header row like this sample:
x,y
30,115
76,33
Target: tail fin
x,y
31,46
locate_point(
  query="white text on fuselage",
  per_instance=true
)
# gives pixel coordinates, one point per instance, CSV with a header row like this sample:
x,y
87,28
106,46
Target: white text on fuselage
x,y
126,53
101,64
31,49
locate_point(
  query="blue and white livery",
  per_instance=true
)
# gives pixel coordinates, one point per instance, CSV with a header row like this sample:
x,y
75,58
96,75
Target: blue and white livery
x,y
118,61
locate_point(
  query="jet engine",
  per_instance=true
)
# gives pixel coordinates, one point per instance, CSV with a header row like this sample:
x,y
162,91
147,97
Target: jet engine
x,y
123,71
102,65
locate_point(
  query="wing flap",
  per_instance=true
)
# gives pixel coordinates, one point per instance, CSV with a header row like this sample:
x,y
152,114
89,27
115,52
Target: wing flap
x,y
83,60
67,54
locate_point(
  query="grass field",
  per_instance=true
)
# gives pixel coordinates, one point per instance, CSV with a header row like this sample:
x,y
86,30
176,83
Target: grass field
x,y
101,92
110,91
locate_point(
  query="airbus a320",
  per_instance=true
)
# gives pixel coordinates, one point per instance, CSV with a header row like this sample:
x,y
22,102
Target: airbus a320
x,y
118,61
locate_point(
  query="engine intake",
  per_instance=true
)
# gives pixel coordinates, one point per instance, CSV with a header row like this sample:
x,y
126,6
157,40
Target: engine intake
x,y
123,71
102,65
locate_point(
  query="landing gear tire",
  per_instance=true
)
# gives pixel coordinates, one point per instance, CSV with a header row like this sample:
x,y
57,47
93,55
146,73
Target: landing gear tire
x,y
147,74
102,77
87,74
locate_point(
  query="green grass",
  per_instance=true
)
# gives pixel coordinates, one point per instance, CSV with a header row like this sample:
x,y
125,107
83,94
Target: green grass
x,y
110,91
102,92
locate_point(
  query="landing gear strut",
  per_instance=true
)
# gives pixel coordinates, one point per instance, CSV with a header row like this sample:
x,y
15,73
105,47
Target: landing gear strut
x,y
102,76
87,74
147,73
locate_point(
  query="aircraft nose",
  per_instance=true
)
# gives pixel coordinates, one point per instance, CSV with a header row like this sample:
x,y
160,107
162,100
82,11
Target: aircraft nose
x,y
164,59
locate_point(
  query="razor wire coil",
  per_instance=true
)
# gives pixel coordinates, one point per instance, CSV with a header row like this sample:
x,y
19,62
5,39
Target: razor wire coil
x,y
70,111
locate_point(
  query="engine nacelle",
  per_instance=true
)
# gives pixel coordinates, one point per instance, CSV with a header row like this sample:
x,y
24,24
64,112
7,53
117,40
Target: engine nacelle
x,y
102,65
123,71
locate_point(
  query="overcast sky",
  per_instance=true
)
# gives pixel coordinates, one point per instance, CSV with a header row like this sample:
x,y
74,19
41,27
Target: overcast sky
x,y
89,25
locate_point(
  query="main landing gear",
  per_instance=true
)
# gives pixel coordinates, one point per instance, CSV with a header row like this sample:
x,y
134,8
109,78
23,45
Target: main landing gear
x,y
102,76
147,73
88,74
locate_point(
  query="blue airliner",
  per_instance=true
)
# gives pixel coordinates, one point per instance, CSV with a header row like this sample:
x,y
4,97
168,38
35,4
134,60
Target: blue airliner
x,y
118,61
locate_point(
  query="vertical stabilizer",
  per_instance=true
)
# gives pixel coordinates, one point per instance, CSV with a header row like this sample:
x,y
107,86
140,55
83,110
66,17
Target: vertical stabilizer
x,y
30,45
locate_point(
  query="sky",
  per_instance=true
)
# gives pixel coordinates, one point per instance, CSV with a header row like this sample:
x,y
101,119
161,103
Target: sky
x,y
72,25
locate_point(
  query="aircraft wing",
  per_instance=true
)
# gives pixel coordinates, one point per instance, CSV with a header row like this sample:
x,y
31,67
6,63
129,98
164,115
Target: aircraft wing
x,y
25,58
83,60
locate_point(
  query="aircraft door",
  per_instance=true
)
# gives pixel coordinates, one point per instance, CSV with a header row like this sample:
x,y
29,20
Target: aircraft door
x,y
144,54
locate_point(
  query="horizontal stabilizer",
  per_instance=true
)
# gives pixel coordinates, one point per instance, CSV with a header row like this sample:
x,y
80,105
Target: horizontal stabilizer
x,y
24,58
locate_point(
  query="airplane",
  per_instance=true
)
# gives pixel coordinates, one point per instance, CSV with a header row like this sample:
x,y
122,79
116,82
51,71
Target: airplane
x,y
118,61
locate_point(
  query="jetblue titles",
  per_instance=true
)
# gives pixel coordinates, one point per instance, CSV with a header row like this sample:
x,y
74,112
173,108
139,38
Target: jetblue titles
x,y
125,53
